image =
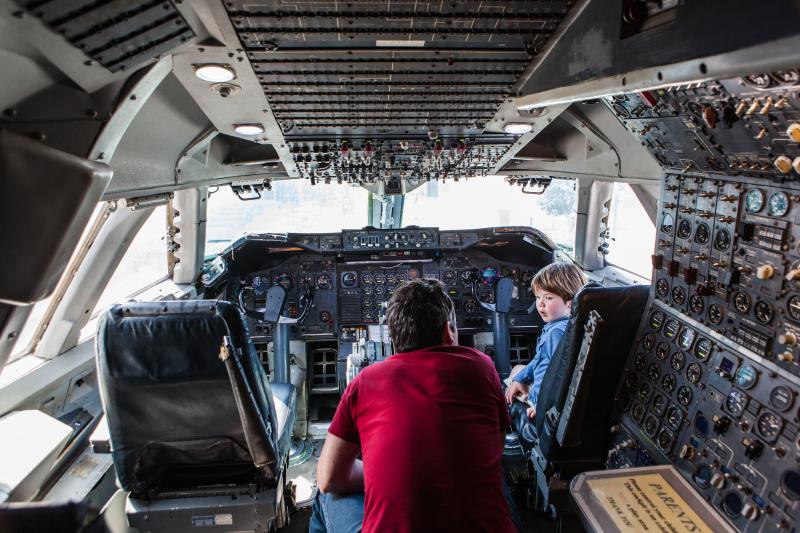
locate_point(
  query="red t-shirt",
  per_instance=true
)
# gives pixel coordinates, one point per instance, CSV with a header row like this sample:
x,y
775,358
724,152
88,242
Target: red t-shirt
x,y
430,425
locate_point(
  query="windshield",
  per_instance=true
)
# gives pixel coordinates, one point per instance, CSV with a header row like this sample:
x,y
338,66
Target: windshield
x,y
488,202
292,206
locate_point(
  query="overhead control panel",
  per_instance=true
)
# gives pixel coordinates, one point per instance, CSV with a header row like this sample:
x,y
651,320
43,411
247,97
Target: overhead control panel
x,y
401,239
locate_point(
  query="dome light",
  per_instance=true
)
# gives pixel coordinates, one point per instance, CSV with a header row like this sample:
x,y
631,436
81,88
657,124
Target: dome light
x,y
517,128
214,73
248,129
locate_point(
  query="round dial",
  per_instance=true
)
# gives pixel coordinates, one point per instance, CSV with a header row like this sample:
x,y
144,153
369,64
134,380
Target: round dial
x,y
401,277
678,295
696,304
260,285
467,276
653,371
790,484
686,338
674,418
769,425
379,278
677,361
702,476
703,348
660,404
753,201
284,280
701,425
656,320
778,204
786,77
684,396
648,342
715,313
665,440
324,282
470,306
793,307
763,312
651,425
367,291
662,287
449,277
702,234
732,504
668,383
671,328
759,81
694,372
735,402
662,350
645,391
366,278
781,398
684,229
630,381
349,279
746,376
488,276
640,361
667,223
722,240
380,291
391,278
367,302
637,412
741,301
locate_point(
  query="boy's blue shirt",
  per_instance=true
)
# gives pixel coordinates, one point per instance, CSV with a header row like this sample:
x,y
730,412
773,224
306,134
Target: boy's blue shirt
x,y
533,374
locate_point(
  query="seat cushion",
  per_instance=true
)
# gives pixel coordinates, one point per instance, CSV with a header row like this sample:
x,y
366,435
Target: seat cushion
x,y
284,397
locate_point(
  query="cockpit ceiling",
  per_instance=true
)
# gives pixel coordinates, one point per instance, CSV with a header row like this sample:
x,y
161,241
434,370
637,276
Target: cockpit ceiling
x,y
390,69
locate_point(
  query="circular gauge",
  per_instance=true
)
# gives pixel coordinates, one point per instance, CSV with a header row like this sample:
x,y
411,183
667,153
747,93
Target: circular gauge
x,y
781,398
637,412
753,201
366,278
662,350
778,204
696,304
746,377
645,391
686,338
722,240
349,279
790,484
665,440
671,328
662,287
260,286
651,425
391,278
674,418
449,277
367,291
769,425
401,277
660,404
486,297
467,277
741,301
793,307
640,361
759,81
702,476
715,314
703,348
470,306
667,223
735,402
732,504
684,395
701,425
678,295
677,361
656,320
378,278
668,383
325,316
786,77
413,273
648,341
284,280
367,315
763,312
684,229
324,282
367,302
702,234
694,372
653,372
630,381
488,276
380,291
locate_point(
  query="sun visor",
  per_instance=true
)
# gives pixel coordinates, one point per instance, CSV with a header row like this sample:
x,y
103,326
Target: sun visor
x,y
47,199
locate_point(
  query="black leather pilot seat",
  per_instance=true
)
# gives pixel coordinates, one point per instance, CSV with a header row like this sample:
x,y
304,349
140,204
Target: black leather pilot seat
x,y
556,460
192,417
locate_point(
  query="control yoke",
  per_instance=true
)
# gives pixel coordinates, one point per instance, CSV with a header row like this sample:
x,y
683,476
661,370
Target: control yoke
x,y
503,292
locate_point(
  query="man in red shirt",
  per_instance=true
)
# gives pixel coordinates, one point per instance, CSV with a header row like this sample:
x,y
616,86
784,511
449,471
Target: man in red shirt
x,y
429,424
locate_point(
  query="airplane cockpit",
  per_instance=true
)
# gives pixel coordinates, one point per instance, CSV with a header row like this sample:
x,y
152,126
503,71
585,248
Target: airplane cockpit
x,y
207,207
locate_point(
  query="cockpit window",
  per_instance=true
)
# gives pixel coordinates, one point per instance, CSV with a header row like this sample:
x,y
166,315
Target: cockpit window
x,y
491,201
292,206
630,227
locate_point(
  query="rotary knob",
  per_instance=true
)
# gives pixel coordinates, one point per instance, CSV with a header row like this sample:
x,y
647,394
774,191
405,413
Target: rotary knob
x,y
786,357
718,480
783,164
687,452
788,338
751,511
765,271
793,131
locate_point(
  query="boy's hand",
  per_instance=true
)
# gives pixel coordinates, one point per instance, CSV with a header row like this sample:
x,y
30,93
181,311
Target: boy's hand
x,y
531,413
515,389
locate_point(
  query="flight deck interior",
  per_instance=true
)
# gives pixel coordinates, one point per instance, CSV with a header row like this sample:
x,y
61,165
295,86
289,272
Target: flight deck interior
x,y
208,204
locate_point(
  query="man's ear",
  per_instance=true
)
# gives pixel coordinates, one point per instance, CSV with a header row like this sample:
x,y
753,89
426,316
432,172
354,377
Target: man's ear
x,y
449,333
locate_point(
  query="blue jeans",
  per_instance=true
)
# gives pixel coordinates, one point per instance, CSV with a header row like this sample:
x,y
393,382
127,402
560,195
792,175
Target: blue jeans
x,y
334,514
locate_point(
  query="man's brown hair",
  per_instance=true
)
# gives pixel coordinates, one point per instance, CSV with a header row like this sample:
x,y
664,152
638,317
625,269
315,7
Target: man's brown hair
x,y
562,279
417,314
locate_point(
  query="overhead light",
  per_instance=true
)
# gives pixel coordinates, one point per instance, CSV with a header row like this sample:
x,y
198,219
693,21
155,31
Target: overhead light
x,y
214,73
248,129
517,128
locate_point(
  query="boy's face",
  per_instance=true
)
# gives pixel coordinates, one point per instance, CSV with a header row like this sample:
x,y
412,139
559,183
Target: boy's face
x,y
550,306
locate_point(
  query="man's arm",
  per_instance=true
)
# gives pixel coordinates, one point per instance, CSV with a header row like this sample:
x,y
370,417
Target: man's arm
x,y
338,470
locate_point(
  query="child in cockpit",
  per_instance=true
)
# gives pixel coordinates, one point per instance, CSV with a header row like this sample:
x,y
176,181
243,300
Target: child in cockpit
x,y
554,287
